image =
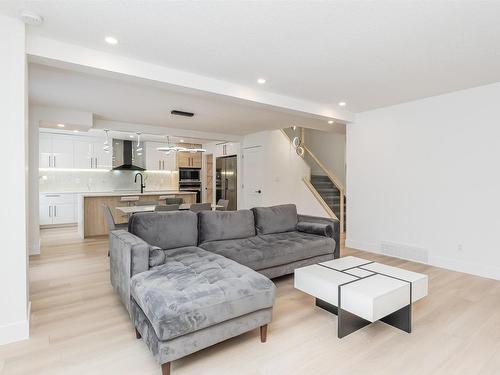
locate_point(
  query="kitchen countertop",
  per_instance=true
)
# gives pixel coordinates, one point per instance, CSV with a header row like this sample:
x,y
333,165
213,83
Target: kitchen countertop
x,y
112,193
130,193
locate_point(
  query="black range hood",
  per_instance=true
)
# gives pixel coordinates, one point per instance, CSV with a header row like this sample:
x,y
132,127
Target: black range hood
x,y
124,158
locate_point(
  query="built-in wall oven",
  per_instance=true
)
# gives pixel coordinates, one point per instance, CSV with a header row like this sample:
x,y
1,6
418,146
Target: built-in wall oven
x,y
190,180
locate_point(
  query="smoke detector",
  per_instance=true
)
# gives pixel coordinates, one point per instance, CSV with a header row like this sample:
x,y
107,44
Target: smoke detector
x,y
31,18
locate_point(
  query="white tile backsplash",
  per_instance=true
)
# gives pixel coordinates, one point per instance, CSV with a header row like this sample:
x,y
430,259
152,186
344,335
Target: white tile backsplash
x,y
81,181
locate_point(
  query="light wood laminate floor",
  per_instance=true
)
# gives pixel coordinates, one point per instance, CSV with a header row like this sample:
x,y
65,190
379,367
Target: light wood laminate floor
x,y
78,326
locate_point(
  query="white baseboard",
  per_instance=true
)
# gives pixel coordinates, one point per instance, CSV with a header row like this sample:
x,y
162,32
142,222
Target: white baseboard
x,y
473,268
14,332
360,245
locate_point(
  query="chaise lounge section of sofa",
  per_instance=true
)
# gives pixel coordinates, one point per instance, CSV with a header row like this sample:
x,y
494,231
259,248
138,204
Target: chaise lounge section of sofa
x,y
192,280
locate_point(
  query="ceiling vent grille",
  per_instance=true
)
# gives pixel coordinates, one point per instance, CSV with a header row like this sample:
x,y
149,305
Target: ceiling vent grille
x,y
182,113
403,251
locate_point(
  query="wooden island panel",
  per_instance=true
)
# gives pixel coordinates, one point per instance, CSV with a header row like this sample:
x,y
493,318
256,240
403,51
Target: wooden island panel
x,y
94,218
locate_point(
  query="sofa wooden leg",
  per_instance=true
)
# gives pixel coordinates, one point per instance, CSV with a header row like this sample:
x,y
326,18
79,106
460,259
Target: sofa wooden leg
x,y
263,333
165,368
137,334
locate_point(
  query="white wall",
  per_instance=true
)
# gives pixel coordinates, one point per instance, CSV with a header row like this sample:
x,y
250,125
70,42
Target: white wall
x,y
426,174
329,148
283,171
14,323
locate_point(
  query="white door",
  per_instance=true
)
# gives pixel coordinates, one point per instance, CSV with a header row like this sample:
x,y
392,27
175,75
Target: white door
x,y
45,151
62,151
253,165
83,155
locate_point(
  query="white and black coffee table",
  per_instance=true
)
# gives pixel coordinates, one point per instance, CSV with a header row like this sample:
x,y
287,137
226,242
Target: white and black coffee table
x,y
360,292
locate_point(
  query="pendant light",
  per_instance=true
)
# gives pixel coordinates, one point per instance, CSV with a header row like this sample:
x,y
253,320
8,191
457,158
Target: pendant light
x,y
139,146
169,148
107,146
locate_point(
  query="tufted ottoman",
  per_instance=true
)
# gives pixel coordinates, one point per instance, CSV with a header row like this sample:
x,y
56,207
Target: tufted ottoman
x,y
197,299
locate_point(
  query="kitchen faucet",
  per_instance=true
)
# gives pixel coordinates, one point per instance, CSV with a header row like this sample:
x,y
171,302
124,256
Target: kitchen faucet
x,y
142,181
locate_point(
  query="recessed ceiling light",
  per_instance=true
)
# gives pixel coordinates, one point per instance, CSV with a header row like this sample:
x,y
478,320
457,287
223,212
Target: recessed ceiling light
x,y
342,104
75,131
111,40
182,140
261,81
330,122
131,136
61,125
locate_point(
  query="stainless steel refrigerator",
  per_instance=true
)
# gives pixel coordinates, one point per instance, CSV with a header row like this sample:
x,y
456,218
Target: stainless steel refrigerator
x,y
226,180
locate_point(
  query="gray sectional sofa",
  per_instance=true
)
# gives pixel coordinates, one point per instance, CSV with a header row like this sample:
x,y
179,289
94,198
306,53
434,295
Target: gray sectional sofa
x,y
192,280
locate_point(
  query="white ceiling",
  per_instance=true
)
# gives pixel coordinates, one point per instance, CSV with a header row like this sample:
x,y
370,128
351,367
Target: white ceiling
x,y
370,54
148,103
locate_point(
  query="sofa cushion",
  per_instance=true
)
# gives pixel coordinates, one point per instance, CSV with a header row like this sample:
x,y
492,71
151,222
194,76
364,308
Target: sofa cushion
x,y
225,225
196,289
167,230
270,250
275,219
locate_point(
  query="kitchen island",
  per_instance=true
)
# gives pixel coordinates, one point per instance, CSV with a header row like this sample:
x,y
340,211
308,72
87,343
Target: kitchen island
x,y
91,217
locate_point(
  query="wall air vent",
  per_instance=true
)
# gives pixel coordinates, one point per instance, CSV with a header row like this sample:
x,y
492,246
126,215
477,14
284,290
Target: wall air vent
x,y
182,113
403,251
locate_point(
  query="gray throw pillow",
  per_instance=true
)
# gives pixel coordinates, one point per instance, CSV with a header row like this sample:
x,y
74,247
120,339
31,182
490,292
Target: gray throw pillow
x,y
156,256
275,219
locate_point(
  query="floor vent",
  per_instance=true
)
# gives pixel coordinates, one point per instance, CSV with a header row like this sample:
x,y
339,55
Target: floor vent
x,y
409,252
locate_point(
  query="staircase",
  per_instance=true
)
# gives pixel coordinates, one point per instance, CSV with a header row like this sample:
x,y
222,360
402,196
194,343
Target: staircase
x,y
329,192
325,186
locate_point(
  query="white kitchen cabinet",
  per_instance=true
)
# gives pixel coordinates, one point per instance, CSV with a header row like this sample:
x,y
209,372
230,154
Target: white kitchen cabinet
x,y
227,149
45,151
62,149
103,159
45,214
158,160
55,151
64,213
170,162
57,208
83,154
89,154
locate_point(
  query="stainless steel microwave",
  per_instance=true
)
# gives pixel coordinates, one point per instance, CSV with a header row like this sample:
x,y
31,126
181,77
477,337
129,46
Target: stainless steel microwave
x,y
189,174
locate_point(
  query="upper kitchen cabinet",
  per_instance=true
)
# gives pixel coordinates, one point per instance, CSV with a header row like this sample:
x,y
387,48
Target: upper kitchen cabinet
x,y
227,149
69,151
158,160
103,159
188,159
89,154
55,151
83,154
